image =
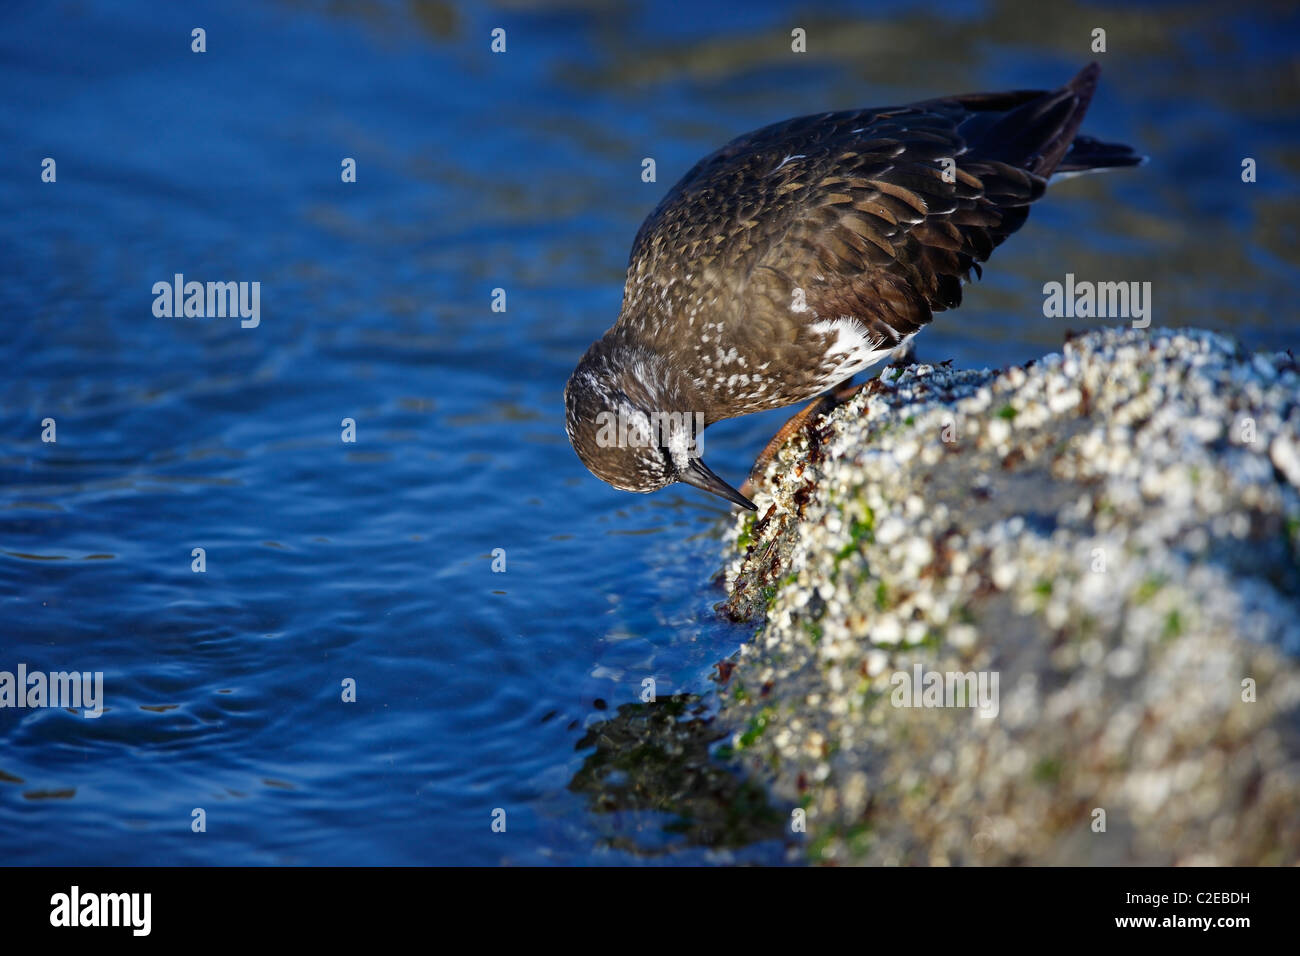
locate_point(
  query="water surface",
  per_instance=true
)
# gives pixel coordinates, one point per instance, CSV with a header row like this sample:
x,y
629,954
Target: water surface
x,y
373,560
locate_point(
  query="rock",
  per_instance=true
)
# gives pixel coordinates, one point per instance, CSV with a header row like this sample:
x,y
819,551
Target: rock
x,y
1105,542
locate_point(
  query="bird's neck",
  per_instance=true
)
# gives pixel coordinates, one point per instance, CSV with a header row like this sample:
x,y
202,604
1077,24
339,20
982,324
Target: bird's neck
x,y
653,383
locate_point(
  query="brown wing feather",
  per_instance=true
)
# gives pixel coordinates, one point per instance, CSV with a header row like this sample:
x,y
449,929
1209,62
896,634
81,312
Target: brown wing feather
x,y
843,214
872,231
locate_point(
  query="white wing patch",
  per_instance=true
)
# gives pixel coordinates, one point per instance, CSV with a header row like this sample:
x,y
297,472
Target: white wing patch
x,y
853,349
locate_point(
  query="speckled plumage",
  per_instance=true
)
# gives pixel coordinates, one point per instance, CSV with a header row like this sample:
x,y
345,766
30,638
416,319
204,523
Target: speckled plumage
x,y
805,252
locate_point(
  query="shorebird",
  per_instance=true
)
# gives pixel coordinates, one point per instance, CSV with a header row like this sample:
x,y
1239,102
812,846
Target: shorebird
x,y
803,253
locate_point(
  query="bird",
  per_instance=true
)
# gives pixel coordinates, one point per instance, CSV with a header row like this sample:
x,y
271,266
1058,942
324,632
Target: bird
x,y
801,254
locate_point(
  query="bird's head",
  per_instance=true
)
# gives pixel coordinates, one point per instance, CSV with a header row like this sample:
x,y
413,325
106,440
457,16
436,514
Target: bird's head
x,y
635,424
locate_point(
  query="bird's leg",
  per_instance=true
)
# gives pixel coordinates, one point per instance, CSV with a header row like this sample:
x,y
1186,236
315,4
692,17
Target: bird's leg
x,y
842,392
905,354
902,357
818,405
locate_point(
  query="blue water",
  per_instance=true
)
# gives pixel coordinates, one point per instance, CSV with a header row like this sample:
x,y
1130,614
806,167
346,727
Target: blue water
x,y
372,560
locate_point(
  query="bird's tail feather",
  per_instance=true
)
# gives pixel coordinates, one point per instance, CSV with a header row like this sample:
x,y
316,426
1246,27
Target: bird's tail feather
x,y
1087,154
1036,134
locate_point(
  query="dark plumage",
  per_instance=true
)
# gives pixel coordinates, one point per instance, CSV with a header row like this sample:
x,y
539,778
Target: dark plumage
x,y
802,253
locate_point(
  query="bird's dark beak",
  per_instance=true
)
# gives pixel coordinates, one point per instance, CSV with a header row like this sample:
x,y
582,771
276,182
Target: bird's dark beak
x,y
697,473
